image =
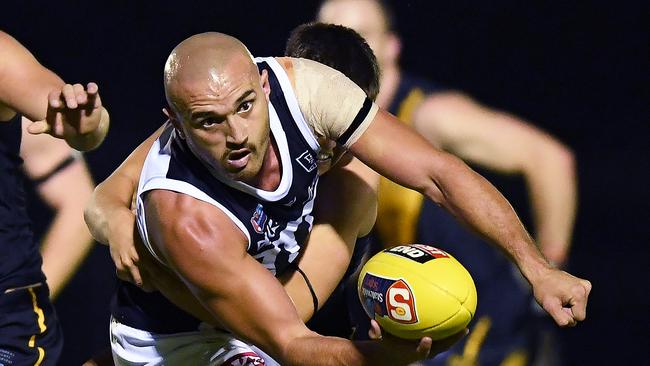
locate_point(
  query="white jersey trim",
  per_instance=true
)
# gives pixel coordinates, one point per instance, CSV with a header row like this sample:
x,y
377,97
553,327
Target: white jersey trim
x,y
292,101
153,176
190,190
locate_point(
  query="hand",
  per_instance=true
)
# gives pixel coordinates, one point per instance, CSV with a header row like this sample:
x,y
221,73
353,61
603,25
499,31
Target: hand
x,y
73,114
563,296
400,351
122,236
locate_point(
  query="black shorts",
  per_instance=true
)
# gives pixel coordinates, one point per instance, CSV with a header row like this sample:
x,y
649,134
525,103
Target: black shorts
x,y
29,329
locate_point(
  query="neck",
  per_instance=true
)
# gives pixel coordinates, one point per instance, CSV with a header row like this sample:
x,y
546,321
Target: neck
x,y
390,76
270,174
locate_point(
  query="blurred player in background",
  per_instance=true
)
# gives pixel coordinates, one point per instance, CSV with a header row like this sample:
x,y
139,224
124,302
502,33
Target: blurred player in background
x,y
29,331
483,136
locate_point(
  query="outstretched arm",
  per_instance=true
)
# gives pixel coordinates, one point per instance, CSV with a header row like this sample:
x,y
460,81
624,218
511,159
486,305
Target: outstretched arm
x,y
70,112
505,143
403,156
65,186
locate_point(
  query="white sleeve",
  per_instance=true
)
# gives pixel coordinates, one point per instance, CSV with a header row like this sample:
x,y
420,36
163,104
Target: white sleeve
x,y
333,105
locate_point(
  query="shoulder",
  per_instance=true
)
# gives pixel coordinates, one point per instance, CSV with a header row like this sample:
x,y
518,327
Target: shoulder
x,y
302,67
447,105
181,220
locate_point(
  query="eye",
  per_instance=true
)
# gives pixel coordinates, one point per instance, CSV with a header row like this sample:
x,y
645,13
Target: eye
x,y
209,122
245,106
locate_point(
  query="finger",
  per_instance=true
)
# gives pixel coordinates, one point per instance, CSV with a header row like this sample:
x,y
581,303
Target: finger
x,y
553,307
94,100
587,286
80,94
38,127
92,88
572,317
54,99
424,347
133,268
69,96
375,330
135,274
579,303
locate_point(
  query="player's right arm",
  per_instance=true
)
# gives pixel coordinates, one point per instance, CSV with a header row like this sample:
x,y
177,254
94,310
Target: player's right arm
x,y
109,216
208,252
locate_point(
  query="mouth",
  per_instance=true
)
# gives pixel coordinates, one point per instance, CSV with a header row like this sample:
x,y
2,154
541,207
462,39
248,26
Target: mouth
x,y
238,159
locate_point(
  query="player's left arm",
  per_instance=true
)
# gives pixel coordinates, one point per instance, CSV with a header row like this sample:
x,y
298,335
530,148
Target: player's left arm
x,y
506,143
344,210
402,155
70,112
64,183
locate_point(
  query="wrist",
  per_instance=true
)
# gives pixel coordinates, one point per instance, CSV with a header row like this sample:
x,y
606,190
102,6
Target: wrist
x,y
533,265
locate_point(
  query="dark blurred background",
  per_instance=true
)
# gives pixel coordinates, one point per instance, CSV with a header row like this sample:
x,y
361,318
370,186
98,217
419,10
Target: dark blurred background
x,y
580,70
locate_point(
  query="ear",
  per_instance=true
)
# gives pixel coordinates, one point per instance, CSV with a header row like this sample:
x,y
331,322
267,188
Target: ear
x,y
264,81
174,121
393,47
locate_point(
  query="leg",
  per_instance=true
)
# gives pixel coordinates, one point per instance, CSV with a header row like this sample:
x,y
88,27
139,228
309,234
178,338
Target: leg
x,y
29,330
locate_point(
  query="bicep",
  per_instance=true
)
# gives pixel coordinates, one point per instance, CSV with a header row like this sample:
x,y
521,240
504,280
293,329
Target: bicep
x,y
478,134
400,154
347,198
208,252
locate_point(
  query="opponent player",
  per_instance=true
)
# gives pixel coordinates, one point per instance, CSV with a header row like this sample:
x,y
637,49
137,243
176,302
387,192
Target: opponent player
x,y
493,139
29,331
241,158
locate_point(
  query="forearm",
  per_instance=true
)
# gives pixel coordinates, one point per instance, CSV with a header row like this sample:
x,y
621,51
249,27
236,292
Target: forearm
x,y
448,181
110,202
476,202
552,185
91,140
327,351
64,248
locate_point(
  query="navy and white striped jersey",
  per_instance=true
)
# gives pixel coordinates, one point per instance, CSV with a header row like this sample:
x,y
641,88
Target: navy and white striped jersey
x,y
276,223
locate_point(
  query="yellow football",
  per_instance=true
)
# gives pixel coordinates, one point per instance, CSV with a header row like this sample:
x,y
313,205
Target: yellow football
x,y
417,290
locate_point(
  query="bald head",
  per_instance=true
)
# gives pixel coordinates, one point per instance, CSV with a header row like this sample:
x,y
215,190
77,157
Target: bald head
x,y
210,61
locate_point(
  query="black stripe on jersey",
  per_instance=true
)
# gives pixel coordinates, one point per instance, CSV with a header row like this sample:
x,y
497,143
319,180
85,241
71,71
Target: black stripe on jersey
x,y
279,101
363,113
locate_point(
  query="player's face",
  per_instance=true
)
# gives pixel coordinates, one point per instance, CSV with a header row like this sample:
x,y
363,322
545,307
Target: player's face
x,y
366,18
226,121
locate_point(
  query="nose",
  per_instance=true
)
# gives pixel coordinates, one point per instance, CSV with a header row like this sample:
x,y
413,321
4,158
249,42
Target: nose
x,y
238,135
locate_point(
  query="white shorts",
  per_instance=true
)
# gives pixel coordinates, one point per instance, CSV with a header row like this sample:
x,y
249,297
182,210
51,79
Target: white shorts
x,y
205,346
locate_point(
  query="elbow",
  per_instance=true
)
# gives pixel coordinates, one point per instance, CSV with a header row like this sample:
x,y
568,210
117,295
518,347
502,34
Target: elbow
x,y
556,156
442,176
566,158
93,219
